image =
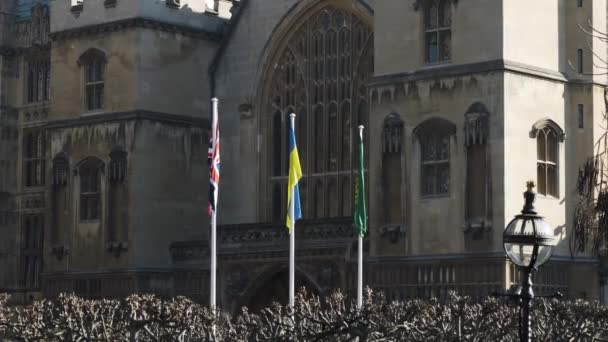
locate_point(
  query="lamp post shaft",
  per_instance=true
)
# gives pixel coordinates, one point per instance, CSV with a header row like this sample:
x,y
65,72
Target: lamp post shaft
x,y
527,295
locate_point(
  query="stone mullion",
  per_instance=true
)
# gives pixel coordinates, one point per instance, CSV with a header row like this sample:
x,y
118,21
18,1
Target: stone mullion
x,y
310,114
340,123
324,127
284,149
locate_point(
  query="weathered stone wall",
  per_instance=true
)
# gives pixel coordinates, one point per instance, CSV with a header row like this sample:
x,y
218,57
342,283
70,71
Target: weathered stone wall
x,y
433,225
169,190
121,86
399,34
171,73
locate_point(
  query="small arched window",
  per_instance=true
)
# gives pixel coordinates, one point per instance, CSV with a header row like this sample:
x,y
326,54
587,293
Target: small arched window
x,y
434,136
437,30
548,135
90,171
93,63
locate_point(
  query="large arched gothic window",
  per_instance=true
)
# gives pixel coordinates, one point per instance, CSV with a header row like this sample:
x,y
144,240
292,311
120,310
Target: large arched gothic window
x,y
320,75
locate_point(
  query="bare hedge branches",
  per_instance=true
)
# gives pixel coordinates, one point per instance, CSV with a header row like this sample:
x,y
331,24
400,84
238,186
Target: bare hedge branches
x,y
334,318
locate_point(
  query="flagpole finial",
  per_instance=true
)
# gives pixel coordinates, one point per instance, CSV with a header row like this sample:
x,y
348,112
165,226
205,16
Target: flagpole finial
x,y
292,115
361,127
215,99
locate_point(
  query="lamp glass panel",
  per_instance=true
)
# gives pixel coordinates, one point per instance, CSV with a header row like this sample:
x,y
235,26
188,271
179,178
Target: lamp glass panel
x,y
519,254
544,254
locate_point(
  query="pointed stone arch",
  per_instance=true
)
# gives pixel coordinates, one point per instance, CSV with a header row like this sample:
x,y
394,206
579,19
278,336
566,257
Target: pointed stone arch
x,y
316,63
272,286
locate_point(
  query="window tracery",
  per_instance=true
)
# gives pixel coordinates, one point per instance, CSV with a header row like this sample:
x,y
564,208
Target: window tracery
x,y
34,158
321,76
547,162
32,240
37,83
548,135
90,171
118,166
93,62
437,28
434,136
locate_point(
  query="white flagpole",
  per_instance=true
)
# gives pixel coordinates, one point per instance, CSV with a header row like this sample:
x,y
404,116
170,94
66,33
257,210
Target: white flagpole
x,y
213,268
360,275
360,254
292,233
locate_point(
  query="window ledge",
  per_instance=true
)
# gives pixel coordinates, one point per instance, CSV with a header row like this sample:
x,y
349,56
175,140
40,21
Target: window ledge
x,y
28,190
547,197
44,103
77,8
110,3
434,197
93,221
93,112
428,65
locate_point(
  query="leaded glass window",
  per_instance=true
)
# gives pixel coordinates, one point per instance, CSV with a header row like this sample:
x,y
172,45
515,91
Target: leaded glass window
x,y
434,137
547,164
90,189
38,79
437,31
320,75
34,158
32,240
94,63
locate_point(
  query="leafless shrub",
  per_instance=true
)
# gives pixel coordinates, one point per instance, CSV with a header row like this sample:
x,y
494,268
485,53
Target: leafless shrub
x,y
333,318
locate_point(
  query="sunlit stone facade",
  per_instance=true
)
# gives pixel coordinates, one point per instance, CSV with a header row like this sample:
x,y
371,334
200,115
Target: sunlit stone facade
x,y
104,119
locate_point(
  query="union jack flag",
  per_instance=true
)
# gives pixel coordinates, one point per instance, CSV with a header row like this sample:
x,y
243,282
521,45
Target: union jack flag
x,y
214,160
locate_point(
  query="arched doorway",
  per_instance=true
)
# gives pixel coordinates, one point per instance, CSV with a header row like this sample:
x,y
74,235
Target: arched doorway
x,y
318,68
275,288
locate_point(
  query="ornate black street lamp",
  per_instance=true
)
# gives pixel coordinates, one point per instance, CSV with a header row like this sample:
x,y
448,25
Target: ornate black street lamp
x,y
528,241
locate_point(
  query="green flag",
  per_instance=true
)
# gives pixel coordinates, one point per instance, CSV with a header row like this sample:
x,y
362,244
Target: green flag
x,y
360,212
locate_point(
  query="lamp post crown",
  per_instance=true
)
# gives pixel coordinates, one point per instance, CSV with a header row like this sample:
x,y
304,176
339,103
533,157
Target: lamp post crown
x,y
530,197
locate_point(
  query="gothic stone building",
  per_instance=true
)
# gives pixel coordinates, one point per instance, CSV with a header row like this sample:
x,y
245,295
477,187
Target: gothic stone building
x,y
104,117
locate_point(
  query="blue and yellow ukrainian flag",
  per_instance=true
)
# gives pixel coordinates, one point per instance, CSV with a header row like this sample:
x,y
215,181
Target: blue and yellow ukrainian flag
x,y
295,173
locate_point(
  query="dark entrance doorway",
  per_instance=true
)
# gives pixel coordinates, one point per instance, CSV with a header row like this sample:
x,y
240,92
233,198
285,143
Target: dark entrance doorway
x,y
275,289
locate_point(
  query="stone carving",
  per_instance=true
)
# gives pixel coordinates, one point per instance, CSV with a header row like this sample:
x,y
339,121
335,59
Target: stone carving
x,y
392,232
32,201
60,252
117,247
550,124
476,125
277,232
477,229
392,134
246,110
117,170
